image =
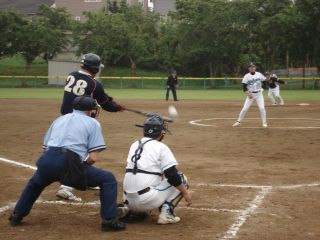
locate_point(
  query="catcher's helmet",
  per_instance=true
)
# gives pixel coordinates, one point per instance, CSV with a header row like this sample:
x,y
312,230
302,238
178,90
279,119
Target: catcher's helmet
x,y
91,62
154,127
86,103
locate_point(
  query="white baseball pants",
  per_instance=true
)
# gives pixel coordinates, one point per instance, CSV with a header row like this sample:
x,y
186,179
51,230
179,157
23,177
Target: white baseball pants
x,y
153,199
274,95
258,98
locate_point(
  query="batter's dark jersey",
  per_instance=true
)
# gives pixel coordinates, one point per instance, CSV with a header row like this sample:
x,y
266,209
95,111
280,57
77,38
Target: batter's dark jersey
x,y
79,84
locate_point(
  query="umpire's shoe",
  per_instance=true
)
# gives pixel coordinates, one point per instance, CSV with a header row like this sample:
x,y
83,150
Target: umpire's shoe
x,y
112,225
15,220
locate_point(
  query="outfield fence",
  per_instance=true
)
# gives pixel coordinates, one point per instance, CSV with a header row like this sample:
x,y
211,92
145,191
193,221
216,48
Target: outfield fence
x,y
153,82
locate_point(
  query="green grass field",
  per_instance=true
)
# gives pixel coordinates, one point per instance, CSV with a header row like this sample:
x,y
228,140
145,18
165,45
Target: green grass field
x,y
56,93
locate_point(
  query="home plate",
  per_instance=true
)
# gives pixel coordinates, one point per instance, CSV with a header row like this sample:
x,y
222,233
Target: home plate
x,y
303,104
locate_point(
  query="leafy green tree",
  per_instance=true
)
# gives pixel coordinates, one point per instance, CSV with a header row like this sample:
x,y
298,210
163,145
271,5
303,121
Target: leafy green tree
x,y
206,37
125,36
168,54
11,25
273,30
45,36
212,35
309,11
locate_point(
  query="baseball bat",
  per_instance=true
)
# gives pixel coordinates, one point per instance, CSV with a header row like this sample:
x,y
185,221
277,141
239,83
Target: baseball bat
x,y
149,114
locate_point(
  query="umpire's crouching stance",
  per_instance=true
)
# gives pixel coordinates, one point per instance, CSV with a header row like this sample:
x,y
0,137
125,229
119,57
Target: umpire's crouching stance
x,y
67,143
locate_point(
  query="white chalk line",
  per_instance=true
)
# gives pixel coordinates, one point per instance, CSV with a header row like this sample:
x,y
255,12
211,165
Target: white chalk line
x,y
315,184
7,207
231,233
211,209
197,122
93,203
16,163
61,202
97,204
246,213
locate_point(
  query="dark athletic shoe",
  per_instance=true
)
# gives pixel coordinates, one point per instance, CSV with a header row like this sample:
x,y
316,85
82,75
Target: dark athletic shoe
x,y
15,220
112,225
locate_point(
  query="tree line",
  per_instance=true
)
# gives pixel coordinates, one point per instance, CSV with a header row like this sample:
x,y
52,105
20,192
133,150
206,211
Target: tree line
x,y
200,38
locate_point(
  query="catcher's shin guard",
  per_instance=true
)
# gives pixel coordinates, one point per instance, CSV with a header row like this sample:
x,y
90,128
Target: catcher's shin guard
x,y
178,198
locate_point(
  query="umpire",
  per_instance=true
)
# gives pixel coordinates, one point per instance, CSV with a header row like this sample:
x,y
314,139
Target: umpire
x,y
72,145
172,84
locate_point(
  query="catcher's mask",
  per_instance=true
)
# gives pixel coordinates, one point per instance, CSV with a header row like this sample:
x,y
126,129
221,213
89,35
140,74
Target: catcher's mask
x,y
154,127
91,62
87,103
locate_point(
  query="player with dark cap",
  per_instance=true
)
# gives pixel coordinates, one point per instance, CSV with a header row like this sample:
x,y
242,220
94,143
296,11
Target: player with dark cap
x,y
81,83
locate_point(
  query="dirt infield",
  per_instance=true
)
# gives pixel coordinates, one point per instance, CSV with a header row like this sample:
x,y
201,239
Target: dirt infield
x,y
247,182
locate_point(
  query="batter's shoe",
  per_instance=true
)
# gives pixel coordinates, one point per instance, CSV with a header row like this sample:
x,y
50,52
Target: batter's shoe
x,y
15,220
274,104
167,216
236,124
282,103
66,194
264,125
112,225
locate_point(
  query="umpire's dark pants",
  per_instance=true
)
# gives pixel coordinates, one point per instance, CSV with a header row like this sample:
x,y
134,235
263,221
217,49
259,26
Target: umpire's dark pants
x,y
50,166
174,92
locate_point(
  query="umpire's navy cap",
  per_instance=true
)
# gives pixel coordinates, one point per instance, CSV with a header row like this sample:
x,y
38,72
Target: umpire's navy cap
x,y
84,103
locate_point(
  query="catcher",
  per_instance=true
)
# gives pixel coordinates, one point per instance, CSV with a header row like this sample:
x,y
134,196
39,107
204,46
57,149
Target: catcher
x,y
152,179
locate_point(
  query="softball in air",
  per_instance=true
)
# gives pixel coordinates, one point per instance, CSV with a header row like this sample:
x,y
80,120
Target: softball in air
x,y
172,112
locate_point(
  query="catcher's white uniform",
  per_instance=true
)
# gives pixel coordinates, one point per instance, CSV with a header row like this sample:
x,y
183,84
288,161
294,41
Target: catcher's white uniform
x,y
255,90
148,188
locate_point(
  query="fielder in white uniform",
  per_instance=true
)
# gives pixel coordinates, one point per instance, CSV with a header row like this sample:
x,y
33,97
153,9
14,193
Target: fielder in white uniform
x,y
152,180
253,87
274,89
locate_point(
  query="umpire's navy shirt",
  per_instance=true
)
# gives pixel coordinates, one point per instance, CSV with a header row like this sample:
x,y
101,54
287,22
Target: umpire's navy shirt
x,y
77,132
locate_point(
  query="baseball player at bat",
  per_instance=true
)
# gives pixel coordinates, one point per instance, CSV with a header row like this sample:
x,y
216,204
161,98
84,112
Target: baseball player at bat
x,y
152,180
80,83
253,84
274,89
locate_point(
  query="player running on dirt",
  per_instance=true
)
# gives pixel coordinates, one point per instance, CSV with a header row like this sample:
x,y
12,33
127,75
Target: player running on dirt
x,y
152,179
80,83
253,83
274,89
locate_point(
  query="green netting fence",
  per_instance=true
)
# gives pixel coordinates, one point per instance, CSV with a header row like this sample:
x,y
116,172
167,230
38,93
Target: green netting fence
x,y
153,82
